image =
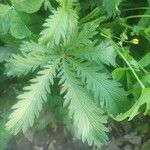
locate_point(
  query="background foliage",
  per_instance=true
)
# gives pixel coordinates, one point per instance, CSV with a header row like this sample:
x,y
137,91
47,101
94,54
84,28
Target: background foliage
x,y
82,61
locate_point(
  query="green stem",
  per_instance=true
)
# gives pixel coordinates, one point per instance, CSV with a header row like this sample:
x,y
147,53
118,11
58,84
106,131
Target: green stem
x,y
120,39
126,61
125,25
145,71
137,8
130,42
137,16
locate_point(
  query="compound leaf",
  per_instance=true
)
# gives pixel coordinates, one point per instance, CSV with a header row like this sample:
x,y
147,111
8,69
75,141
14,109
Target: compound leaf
x,y
59,25
31,101
135,109
88,118
111,7
104,89
28,6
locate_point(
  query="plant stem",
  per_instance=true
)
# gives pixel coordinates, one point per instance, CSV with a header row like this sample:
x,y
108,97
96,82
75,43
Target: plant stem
x,y
137,8
145,71
126,61
125,25
137,16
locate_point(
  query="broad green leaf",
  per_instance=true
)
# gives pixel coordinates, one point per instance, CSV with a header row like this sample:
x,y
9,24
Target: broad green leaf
x,y
10,20
124,76
145,21
18,28
135,109
145,61
146,78
28,6
129,78
5,18
118,73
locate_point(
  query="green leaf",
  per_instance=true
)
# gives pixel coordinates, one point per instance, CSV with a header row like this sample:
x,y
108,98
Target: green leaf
x,y
8,50
135,109
105,90
21,65
4,135
82,46
10,19
59,25
144,21
81,39
31,101
111,7
18,29
5,105
124,76
118,73
146,78
5,18
90,4
92,15
28,6
31,47
149,2
88,118
106,53
4,54
102,53
145,61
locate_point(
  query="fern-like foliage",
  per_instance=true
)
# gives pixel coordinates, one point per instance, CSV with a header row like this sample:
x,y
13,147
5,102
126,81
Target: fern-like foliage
x,y
111,7
32,57
31,47
86,48
105,90
60,25
30,102
70,53
88,118
21,65
102,53
76,53
91,4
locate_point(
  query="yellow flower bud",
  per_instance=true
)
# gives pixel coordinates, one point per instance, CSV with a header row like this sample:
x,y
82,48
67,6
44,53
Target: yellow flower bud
x,y
135,41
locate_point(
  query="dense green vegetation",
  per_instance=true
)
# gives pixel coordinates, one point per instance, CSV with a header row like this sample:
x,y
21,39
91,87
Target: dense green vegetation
x,y
83,61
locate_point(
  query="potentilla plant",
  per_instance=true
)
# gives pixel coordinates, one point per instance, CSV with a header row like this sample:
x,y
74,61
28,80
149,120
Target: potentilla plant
x,y
85,56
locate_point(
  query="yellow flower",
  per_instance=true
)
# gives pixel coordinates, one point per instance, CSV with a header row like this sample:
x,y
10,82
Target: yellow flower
x,y
135,41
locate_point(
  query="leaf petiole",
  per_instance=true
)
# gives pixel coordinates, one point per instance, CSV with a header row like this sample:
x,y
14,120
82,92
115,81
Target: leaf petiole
x,y
137,16
137,8
117,48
